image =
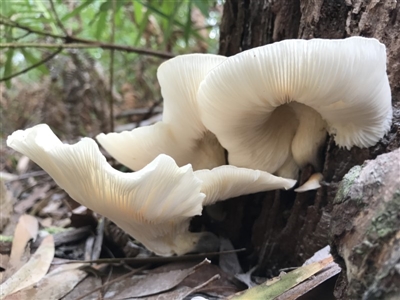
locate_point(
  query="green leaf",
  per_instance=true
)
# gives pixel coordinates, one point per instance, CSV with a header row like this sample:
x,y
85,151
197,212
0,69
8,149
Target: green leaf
x,y
6,9
176,22
105,6
203,6
138,11
76,10
8,66
188,25
33,60
170,8
101,25
142,26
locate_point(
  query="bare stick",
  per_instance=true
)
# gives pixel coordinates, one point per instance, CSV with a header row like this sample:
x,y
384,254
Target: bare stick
x,y
10,23
154,259
94,44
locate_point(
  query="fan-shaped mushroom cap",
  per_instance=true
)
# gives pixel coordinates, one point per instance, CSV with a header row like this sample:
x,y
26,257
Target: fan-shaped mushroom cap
x,y
154,204
180,134
271,106
226,182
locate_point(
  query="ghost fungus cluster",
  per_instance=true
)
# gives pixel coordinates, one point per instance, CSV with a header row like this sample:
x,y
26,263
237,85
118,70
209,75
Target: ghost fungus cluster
x,y
269,107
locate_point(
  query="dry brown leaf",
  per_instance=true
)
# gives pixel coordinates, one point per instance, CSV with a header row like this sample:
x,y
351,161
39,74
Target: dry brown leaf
x,y
88,284
156,283
38,192
47,222
26,230
176,294
33,271
54,285
225,286
229,263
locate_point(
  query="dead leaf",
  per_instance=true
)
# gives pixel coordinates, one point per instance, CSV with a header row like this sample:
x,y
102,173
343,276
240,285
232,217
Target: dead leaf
x,y
176,294
225,286
181,292
47,222
87,284
33,271
157,283
38,192
26,230
54,285
229,263
284,283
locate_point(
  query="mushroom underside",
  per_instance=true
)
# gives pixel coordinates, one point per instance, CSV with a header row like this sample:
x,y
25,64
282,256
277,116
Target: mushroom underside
x,y
287,139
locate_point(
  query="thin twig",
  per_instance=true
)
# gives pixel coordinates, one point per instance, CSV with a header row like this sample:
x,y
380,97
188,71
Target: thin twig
x,y
46,59
113,281
137,112
14,24
94,44
150,112
59,23
74,42
155,259
26,176
111,98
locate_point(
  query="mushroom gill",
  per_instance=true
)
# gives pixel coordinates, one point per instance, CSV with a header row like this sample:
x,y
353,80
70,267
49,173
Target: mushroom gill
x,y
271,107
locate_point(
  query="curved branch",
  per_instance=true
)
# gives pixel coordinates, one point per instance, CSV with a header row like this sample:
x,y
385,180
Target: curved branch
x,y
93,44
46,59
75,42
10,23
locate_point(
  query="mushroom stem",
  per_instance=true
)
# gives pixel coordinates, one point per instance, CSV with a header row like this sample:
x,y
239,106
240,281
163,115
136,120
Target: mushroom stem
x,y
310,136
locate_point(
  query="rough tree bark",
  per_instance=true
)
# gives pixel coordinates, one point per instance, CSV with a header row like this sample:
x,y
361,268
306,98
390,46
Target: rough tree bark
x,y
290,227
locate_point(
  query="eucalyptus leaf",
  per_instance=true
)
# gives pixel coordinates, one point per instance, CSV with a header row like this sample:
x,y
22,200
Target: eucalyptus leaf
x,y
138,11
101,24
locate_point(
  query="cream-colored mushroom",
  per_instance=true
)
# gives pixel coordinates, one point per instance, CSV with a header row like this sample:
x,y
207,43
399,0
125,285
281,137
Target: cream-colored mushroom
x,y
271,107
155,204
181,133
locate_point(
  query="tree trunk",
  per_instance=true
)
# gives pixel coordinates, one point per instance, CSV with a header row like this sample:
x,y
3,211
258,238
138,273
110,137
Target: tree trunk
x,y
290,227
